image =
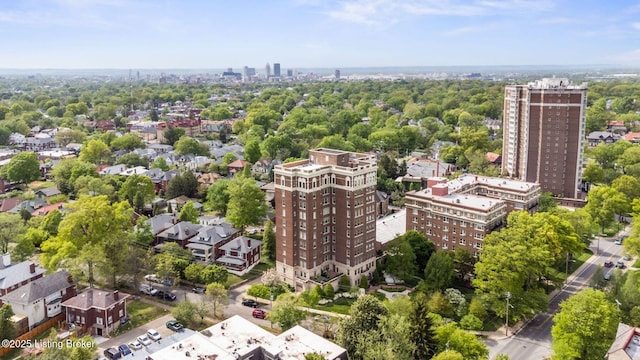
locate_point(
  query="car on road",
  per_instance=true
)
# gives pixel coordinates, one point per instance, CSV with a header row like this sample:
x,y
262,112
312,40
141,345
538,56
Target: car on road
x,y
124,349
135,345
148,289
620,264
607,276
174,325
153,334
165,295
608,264
199,290
153,278
250,303
144,340
618,241
259,314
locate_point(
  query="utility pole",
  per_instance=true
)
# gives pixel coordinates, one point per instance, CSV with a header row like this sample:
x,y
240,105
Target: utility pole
x,y
506,325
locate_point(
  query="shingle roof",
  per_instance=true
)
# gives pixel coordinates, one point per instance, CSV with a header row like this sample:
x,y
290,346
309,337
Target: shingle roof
x,y
49,191
241,244
17,273
94,298
39,288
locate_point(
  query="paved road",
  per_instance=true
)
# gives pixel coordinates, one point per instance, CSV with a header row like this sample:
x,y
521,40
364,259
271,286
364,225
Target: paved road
x,y
533,341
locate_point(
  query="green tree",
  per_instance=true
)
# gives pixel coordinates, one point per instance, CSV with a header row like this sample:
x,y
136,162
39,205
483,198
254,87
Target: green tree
x,y
477,308
314,356
218,196
438,274
422,248
400,259
329,291
421,335
449,336
285,312
269,242
172,134
364,282
23,167
189,213
214,274
12,227
247,205
127,142
7,329
365,314
23,250
585,327
259,291
546,202
184,312
603,203
192,272
185,184
137,184
91,226
95,152
160,163
216,295
448,355
188,145
471,322
252,152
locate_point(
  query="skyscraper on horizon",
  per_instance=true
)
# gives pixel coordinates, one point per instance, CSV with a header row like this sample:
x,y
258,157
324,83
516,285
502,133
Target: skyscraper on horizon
x,y
267,70
544,133
326,217
276,70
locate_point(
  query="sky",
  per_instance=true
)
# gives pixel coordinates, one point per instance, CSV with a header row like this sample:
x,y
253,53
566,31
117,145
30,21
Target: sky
x,y
216,34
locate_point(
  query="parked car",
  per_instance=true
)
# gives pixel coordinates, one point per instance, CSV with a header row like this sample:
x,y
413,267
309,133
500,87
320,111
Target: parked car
x,y
154,279
259,314
148,289
165,295
144,340
135,345
174,325
608,264
618,241
250,303
153,334
620,264
607,276
124,349
626,257
199,290
112,353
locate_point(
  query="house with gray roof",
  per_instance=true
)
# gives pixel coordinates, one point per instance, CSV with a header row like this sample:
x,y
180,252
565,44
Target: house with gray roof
x,y
205,246
29,205
42,298
240,255
179,233
14,275
161,222
596,138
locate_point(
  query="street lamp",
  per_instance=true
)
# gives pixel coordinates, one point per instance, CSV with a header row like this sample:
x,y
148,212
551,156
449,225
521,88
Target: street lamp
x,y
506,324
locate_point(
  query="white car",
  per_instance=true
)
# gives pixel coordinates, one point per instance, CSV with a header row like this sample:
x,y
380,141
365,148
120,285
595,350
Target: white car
x,y
135,345
153,335
144,340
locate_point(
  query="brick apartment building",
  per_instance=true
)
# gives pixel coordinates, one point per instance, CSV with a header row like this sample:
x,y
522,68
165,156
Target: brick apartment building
x,y
544,134
326,217
460,212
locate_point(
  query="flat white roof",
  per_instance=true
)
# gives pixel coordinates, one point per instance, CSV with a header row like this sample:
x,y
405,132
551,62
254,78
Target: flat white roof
x,y
298,341
508,184
391,226
477,202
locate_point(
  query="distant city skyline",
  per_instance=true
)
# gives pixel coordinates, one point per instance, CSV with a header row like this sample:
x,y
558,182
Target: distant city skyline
x,y
148,34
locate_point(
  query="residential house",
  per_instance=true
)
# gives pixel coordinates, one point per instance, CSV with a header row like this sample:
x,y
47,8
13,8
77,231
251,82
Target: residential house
x,y
626,345
269,190
207,179
205,246
261,167
616,126
178,202
9,203
55,154
147,153
38,142
240,255
198,162
179,233
219,153
161,148
45,210
42,298
96,312
633,137
29,205
48,192
138,170
161,222
113,170
494,159
236,166
596,138
14,275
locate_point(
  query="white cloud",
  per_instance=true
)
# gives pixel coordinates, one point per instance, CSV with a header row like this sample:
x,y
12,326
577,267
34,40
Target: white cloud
x,y
636,25
558,21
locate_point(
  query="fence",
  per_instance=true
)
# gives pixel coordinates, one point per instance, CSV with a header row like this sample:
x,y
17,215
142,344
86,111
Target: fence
x,y
31,334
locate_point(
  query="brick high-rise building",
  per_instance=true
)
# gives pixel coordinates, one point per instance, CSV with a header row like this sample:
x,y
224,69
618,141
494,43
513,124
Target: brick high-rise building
x,y
544,133
459,213
326,217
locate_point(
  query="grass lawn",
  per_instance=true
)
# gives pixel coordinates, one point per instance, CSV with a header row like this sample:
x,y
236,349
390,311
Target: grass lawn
x,y
139,313
257,271
37,185
232,280
334,308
